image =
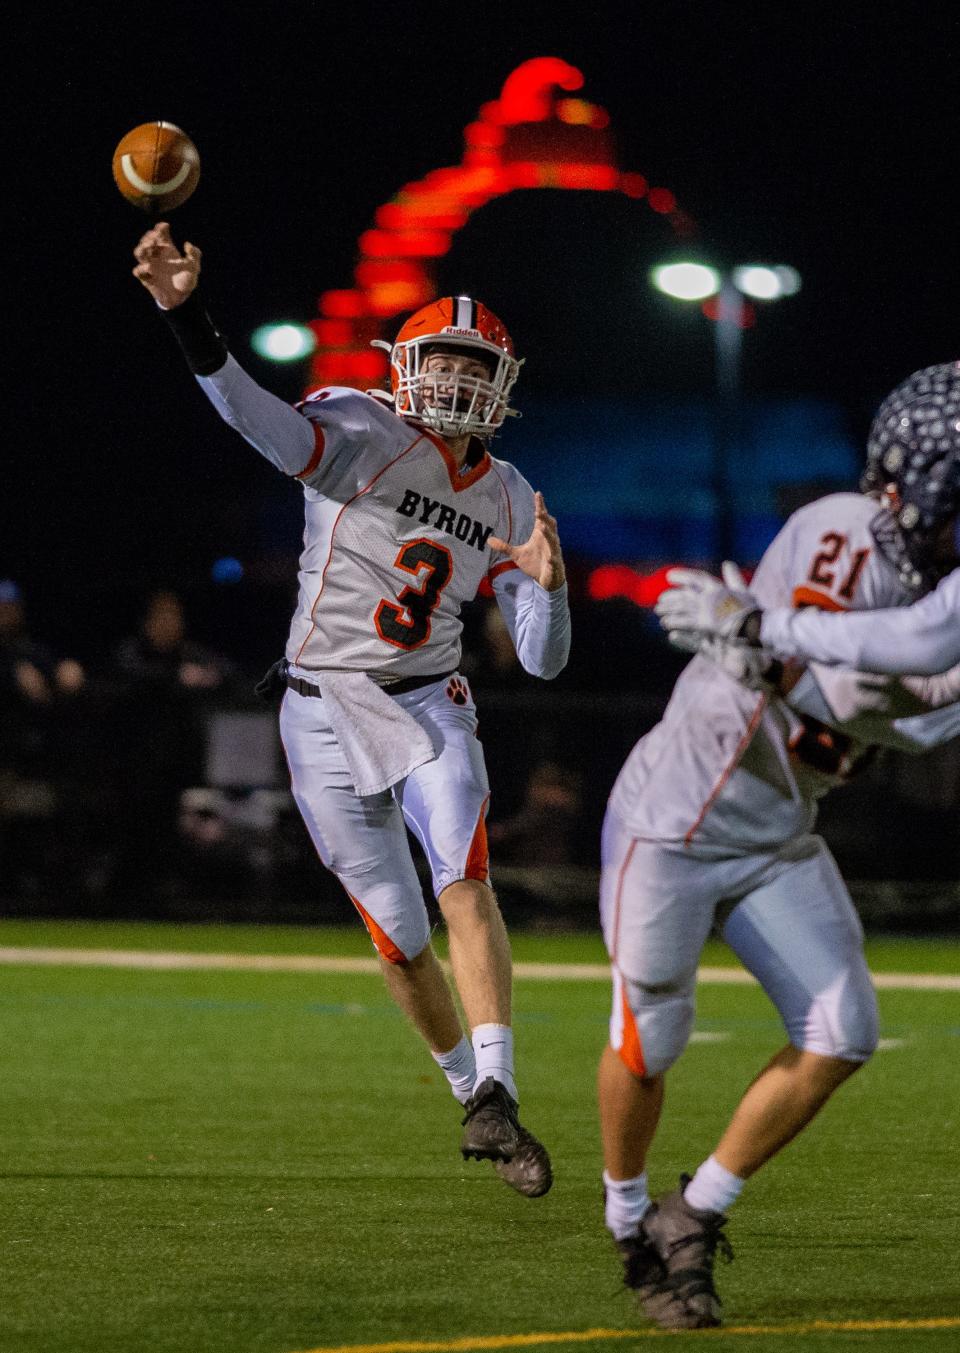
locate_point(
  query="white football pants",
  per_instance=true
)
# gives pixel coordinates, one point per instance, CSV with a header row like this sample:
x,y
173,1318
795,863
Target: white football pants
x,y
786,914
364,841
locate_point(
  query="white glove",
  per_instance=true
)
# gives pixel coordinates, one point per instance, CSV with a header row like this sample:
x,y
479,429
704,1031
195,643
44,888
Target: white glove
x,y
697,601
852,694
751,666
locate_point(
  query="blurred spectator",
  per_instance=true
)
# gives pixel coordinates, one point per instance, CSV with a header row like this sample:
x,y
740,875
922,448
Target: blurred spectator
x,y
161,656
242,848
544,831
36,690
26,665
168,683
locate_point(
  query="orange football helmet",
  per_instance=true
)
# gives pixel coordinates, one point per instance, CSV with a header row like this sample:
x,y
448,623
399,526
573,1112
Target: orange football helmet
x,y
453,403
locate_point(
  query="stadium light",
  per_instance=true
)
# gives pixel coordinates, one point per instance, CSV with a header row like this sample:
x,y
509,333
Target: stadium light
x,y
686,281
764,283
283,342
690,281
722,298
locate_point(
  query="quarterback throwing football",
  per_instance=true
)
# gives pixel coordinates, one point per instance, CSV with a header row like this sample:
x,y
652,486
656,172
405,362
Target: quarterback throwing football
x,y
406,514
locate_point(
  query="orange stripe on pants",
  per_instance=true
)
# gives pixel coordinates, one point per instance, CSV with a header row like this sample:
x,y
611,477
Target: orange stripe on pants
x,y
631,1049
382,942
478,856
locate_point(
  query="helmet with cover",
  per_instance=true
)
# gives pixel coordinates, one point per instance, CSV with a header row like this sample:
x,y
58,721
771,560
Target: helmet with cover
x,y
913,461
453,403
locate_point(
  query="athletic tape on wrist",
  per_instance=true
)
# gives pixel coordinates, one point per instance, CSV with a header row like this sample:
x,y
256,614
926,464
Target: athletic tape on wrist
x,y
202,344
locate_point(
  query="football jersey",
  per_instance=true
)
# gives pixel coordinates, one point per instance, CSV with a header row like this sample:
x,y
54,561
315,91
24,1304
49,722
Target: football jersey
x,y
395,537
735,768
925,638
395,540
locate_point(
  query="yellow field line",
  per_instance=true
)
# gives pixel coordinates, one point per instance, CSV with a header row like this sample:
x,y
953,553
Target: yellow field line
x,y
598,1335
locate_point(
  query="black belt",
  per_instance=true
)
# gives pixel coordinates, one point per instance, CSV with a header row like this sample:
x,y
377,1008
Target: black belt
x,y
279,676
391,687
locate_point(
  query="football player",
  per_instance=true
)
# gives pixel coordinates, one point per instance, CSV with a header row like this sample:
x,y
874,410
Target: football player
x,y
709,827
915,426
407,513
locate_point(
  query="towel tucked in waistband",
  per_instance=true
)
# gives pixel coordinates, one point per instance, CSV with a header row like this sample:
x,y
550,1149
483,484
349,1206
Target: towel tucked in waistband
x,y
381,742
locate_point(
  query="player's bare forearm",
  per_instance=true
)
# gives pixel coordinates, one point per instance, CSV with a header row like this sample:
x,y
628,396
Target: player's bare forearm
x,y
169,275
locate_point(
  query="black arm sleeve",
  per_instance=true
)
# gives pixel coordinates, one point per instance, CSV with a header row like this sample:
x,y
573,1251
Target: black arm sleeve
x,y
203,345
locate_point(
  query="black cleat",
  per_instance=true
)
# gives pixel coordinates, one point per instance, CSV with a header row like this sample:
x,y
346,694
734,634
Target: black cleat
x,y
645,1276
492,1131
491,1125
528,1170
687,1241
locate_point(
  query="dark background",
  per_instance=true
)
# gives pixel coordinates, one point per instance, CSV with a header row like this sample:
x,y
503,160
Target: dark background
x,y
823,136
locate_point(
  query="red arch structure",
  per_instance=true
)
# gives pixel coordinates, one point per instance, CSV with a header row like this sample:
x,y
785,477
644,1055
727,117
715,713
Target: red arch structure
x,y
537,134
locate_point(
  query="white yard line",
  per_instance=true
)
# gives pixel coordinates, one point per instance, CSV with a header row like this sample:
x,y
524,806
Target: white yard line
x,y
171,960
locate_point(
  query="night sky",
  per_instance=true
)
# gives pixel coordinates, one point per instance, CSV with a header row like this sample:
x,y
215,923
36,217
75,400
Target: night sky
x,y
824,136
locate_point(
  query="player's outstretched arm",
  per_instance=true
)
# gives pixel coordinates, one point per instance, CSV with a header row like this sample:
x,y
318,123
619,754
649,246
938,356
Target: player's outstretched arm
x,y
919,640
171,278
170,275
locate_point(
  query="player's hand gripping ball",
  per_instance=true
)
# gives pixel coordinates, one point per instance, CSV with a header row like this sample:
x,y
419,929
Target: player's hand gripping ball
x,y
156,167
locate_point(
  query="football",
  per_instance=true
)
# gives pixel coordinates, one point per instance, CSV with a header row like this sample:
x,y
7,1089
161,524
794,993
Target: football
x,y
156,167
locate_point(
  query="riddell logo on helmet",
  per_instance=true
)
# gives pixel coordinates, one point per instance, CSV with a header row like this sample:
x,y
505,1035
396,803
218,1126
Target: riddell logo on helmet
x,y
462,333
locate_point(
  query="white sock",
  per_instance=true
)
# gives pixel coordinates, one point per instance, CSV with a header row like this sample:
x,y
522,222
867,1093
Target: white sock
x,y
460,1068
713,1188
625,1202
493,1049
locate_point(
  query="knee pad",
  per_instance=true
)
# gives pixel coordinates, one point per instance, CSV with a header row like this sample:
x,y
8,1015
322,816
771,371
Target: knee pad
x,y
398,926
842,1021
649,1029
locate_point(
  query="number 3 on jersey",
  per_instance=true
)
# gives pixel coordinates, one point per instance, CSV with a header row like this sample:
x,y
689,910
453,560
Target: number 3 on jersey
x,y
406,622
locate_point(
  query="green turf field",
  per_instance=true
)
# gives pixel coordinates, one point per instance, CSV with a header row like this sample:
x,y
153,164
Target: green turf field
x,y
239,1162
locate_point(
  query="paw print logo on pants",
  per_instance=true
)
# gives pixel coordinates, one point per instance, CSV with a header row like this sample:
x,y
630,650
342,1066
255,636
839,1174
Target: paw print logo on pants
x,y
457,691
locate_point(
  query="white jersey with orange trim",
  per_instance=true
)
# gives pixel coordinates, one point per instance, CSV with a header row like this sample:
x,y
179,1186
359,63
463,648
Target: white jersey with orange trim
x,y
395,539
923,639
733,768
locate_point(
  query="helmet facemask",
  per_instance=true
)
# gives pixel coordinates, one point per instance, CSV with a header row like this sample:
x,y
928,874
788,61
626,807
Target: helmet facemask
x,y
913,462
451,402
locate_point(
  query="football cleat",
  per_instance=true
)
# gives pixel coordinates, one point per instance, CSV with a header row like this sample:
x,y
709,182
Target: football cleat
x,y
493,1131
687,1241
645,1276
528,1170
